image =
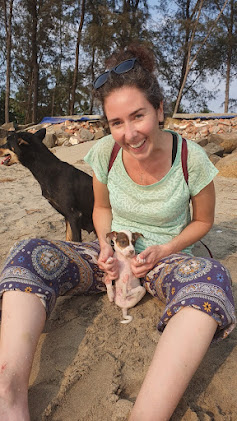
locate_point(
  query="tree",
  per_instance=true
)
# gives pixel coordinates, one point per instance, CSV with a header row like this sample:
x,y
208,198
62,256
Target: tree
x,y
8,8
229,46
75,74
179,39
190,60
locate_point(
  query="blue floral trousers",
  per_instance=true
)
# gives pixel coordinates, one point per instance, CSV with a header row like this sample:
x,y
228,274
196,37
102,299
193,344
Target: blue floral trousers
x,y
53,268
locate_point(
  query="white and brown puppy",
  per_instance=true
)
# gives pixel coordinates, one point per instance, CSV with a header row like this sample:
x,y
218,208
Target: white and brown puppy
x,y
127,291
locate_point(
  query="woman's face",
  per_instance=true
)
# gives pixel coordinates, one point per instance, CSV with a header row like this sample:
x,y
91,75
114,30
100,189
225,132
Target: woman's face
x,y
133,121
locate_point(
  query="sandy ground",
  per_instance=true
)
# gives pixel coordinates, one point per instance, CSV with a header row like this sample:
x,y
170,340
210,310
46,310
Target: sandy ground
x,y
88,366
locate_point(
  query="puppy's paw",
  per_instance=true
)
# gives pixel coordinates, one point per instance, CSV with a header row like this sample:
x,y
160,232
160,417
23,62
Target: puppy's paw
x,y
140,260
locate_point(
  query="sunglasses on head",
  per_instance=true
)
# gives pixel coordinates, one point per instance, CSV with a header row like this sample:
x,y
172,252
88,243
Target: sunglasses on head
x,y
123,67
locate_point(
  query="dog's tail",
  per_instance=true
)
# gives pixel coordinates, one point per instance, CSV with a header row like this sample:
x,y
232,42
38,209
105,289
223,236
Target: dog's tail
x,y
127,318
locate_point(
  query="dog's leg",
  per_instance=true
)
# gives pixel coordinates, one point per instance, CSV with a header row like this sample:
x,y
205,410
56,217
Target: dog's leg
x,y
75,227
127,318
135,295
68,231
124,289
109,287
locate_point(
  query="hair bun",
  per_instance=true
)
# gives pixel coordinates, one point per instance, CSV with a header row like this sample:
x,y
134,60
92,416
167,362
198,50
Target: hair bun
x,y
144,55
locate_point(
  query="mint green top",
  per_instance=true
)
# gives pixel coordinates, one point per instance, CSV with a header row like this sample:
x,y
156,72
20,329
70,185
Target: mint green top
x,y
161,210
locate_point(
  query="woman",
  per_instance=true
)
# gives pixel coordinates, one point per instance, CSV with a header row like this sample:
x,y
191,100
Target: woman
x,y
144,191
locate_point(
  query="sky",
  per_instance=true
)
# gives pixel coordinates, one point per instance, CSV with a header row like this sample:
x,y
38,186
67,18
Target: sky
x,y
216,105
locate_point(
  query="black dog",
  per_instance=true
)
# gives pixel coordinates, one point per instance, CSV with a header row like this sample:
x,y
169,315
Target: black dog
x,y
67,189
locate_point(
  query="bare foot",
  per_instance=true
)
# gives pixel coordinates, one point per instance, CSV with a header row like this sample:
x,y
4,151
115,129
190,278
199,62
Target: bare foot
x,y
13,401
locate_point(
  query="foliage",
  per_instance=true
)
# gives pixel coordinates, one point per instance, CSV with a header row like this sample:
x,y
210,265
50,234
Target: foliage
x,y
44,36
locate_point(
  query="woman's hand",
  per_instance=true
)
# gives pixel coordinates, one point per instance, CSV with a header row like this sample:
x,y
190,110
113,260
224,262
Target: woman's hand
x,y
147,259
107,262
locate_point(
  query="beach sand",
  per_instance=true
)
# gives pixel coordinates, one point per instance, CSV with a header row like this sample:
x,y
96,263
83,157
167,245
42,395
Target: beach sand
x,y
88,366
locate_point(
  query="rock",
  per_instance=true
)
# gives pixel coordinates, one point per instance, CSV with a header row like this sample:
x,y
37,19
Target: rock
x,y
50,140
229,145
214,158
62,139
11,127
228,166
23,127
86,134
36,127
73,140
202,142
228,141
99,134
212,148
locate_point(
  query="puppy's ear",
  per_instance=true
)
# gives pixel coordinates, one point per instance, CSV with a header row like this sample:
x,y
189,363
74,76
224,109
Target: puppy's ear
x,y
21,141
40,134
135,236
111,235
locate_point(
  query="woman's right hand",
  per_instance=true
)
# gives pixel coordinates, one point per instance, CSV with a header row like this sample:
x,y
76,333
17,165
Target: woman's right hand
x,y
107,262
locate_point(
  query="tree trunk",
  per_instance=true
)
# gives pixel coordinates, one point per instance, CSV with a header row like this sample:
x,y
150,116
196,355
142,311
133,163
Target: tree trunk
x,y
75,74
34,61
28,115
92,78
8,25
229,57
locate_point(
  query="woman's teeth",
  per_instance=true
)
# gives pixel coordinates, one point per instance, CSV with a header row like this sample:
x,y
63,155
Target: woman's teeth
x,y
138,145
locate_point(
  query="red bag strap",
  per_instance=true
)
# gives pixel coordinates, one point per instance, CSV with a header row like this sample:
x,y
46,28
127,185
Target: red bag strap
x,y
184,159
113,155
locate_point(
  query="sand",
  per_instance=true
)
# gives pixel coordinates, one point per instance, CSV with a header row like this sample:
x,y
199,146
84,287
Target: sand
x,y
88,366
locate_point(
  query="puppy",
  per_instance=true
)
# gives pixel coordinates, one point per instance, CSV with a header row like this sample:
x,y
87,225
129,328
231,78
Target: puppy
x,y
127,291
66,188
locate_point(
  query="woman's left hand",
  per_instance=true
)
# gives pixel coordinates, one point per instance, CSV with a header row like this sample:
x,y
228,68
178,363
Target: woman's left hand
x,y
147,259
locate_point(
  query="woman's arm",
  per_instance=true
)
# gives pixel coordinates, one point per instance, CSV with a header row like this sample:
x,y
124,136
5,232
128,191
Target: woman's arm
x,y
102,214
203,217
102,218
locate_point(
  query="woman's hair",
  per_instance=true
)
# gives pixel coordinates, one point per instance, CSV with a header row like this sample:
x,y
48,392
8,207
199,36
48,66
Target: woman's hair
x,y
141,76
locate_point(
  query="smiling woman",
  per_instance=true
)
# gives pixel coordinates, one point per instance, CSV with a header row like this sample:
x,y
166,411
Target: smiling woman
x,y
144,192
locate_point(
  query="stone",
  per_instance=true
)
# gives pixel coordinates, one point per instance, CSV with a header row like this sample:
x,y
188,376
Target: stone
x,y
99,134
212,148
62,139
86,134
73,140
229,145
11,127
227,141
202,142
50,140
214,158
228,166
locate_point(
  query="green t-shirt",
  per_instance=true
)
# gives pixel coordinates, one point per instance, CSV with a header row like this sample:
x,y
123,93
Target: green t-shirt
x,y
161,210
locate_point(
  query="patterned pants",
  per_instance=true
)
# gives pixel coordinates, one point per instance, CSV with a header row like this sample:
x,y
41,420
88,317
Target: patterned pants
x,y
52,268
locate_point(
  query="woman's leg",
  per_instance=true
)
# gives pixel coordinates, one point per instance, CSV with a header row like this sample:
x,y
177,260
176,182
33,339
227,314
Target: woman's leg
x,y
23,318
47,269
193,289
179,352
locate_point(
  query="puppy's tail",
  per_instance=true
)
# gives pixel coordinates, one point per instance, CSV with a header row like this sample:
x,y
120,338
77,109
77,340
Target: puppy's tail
x,y
127,318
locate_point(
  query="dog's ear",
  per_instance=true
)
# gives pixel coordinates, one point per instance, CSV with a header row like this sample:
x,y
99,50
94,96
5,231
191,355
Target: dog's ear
x,y
111,235
21,141
40,134
135,236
